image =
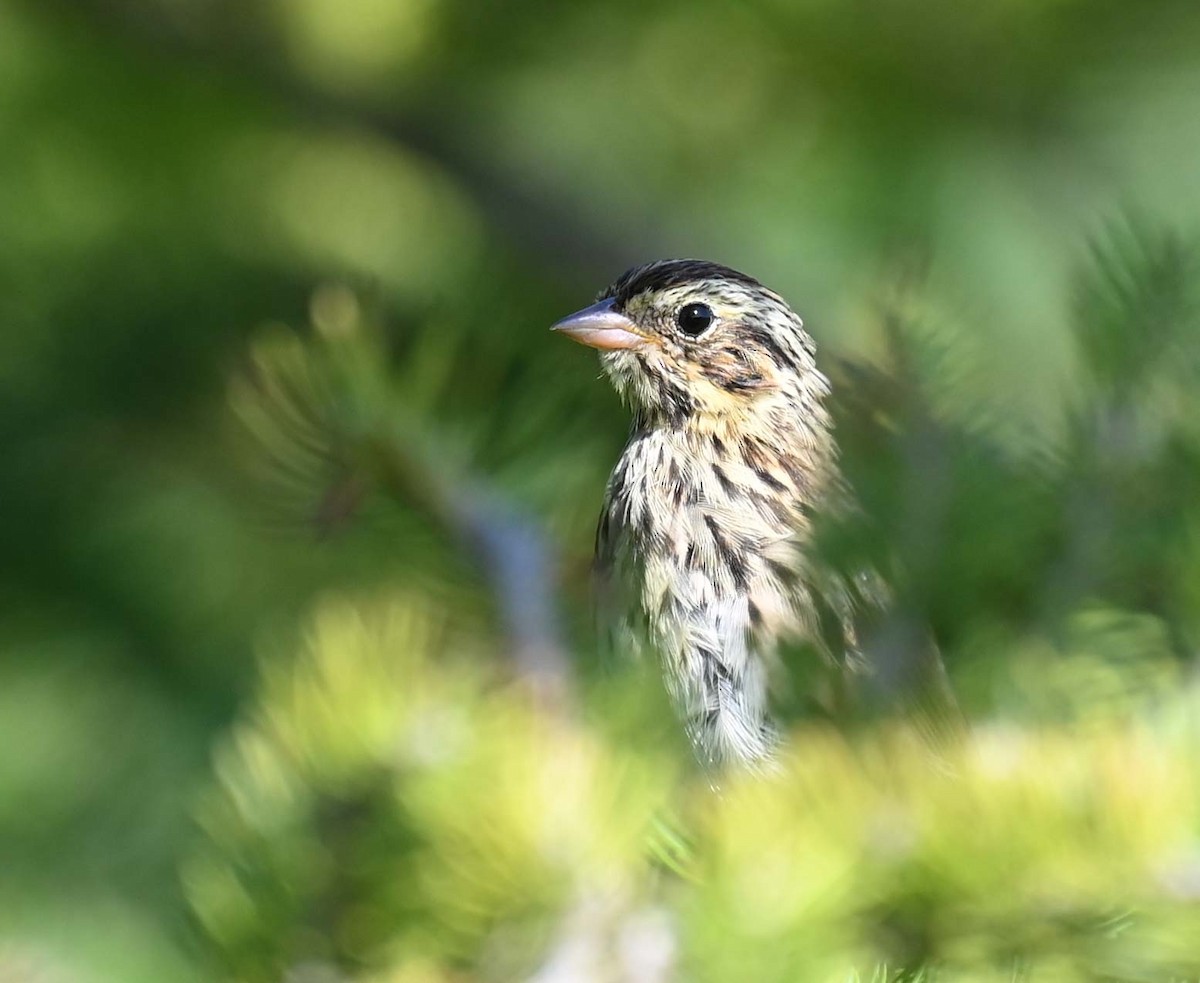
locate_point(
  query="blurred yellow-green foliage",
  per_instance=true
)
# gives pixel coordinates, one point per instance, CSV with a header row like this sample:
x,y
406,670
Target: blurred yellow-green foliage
x,y
297,679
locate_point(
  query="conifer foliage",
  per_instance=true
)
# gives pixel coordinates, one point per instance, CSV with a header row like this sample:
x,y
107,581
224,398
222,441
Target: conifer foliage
x,y
299,679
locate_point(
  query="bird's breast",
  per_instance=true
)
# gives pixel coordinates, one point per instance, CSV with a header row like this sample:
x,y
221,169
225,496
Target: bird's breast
x,y
700,535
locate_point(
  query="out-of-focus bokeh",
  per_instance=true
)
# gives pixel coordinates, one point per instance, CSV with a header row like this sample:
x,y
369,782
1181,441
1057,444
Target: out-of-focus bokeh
x,y
297,494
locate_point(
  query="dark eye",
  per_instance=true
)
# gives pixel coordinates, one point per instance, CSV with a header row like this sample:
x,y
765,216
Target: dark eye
x,y
694,319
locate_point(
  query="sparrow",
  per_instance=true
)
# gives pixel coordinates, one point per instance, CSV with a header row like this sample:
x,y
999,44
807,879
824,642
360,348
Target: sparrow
x,y
702,543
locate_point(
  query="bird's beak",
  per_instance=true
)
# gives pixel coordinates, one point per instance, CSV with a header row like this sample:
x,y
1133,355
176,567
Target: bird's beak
x,y
600,327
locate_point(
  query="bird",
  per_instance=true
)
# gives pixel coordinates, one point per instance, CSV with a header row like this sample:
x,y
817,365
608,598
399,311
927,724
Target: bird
x,y
703,542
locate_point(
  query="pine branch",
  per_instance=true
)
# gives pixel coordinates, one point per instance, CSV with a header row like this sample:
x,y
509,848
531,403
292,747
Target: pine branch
x,y
330,436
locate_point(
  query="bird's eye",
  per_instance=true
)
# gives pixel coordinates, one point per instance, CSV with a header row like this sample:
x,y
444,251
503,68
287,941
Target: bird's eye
x,y
694,319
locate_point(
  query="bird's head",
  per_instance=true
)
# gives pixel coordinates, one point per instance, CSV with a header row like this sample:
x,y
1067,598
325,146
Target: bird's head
x,y
686,340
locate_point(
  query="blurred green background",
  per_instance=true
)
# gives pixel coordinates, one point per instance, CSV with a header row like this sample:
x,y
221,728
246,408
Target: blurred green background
x,y
279,408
